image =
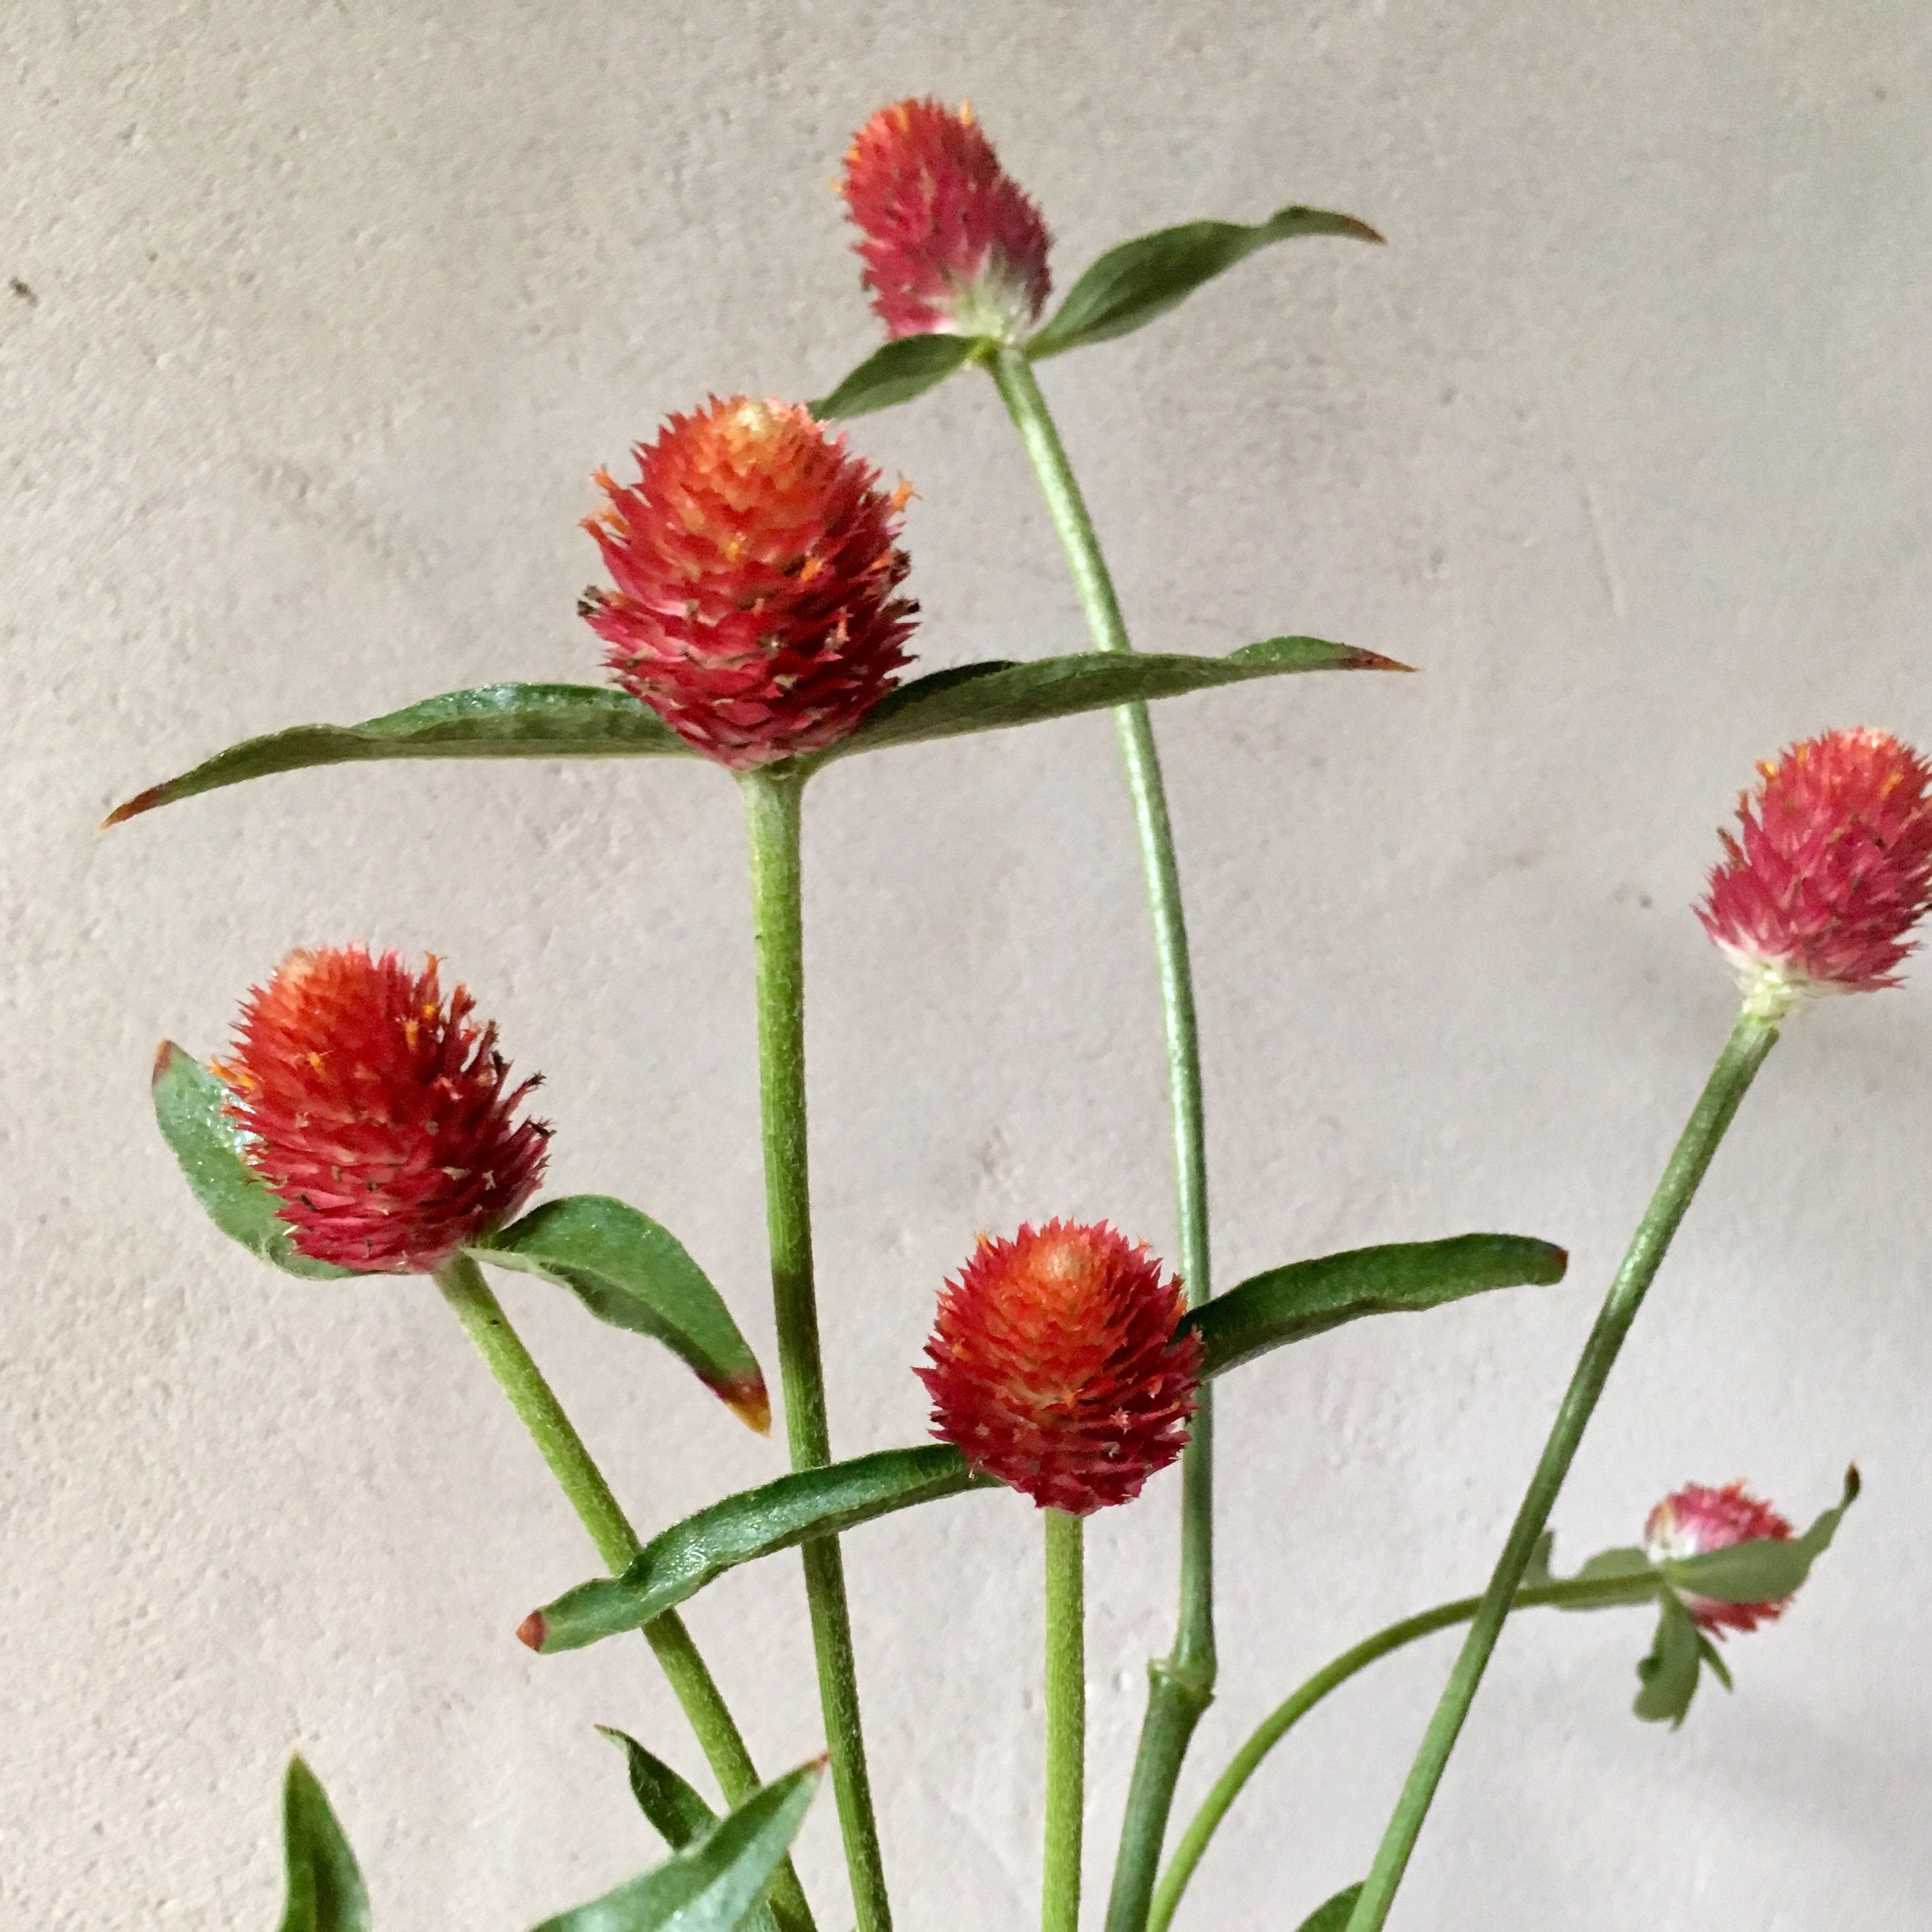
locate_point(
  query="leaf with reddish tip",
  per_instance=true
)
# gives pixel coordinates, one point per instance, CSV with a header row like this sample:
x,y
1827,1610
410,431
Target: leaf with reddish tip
x,y
898,372
1289,1304
679,1562
994,696
633,1274
492,720
191,1106
325,1892
716,1883
1130,286
1762,1569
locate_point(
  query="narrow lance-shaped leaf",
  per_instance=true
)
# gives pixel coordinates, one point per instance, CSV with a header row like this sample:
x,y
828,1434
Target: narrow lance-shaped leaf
x,y
1763,1569
716,1883
1129,286
1332,1916
679,1562
189,1105
680,1814
993,696
629,1271
1669,1675
1289,1304
897,373
325,1892
492,720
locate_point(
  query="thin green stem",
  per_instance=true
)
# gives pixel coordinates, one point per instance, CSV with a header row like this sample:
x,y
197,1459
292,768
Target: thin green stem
x,y
1180,1687
1574,1595
1065,1720
1751,1039
771,801
582,1483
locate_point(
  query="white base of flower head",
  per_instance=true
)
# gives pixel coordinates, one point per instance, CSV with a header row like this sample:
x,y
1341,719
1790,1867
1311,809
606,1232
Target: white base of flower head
x,y
991,304
1772,989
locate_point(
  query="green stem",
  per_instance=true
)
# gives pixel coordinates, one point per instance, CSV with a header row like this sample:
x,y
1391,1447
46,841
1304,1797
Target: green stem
x,y
772,800
1181,1687
1751,1039
1065,1720
1574,1595
582,1482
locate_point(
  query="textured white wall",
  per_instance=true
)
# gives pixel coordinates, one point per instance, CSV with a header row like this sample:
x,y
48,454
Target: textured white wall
x,y
320,317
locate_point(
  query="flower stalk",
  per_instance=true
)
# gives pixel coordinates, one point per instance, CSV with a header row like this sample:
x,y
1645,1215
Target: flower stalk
x,y
771,811
476,1307
1066,1719
1751,1039
1181,1686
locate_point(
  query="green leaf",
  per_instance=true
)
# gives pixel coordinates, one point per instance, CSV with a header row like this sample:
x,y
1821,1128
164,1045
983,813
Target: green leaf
x,y
898,372
1536,1571
678,1812
1713,1661
1764,1570
716,1883
189,1105
679,1562
1333,1916
1669,1675
1607,1565
1289,1304
993,696
493,721
1131,285
325,1892
631,1273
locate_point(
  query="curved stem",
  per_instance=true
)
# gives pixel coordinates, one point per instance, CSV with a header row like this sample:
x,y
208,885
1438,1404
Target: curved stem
x,y
1182,1686
582,1483
1576,1594
1751,1039
772,815
1066,1720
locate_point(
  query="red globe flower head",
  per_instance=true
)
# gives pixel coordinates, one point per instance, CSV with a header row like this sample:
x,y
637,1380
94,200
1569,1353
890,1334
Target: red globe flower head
x,y
1696,1520
755,564
378,1112
1830,871
951,245
1055,1366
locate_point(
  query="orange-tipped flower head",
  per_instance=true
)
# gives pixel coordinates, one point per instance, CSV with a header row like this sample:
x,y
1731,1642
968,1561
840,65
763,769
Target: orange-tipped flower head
x,y
1055,1366
1696,1520
755,565
378,1113
1830,870
951,243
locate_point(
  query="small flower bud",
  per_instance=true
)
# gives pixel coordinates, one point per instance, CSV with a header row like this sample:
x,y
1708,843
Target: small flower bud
x,y
1695,1520
1830,870
755,564
951,245
377,1113
1056,1366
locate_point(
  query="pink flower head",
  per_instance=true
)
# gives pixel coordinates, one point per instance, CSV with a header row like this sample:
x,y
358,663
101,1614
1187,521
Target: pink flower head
x,y
1696,1520
951,245
1830,870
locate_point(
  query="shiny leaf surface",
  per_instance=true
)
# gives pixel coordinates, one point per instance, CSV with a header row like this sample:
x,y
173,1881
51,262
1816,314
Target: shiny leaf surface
x,y
326,1893
1131,285
633,1274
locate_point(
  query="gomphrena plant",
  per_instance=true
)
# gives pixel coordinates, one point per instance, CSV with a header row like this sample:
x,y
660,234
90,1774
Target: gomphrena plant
x,y
753,617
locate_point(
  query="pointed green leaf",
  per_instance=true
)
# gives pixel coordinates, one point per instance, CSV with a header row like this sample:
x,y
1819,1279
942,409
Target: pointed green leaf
x,y
1289,1304
993,696
1669,1675
189,1105
1334,1915
678,1812
1131,285
1536,1571
716,1883
897,373
1764,1570
679,1562
494,720
630,1272
1609,1565
1714,1660
325,1892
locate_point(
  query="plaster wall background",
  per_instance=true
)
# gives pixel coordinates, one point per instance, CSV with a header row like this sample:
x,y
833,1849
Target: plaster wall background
x,y
320,317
